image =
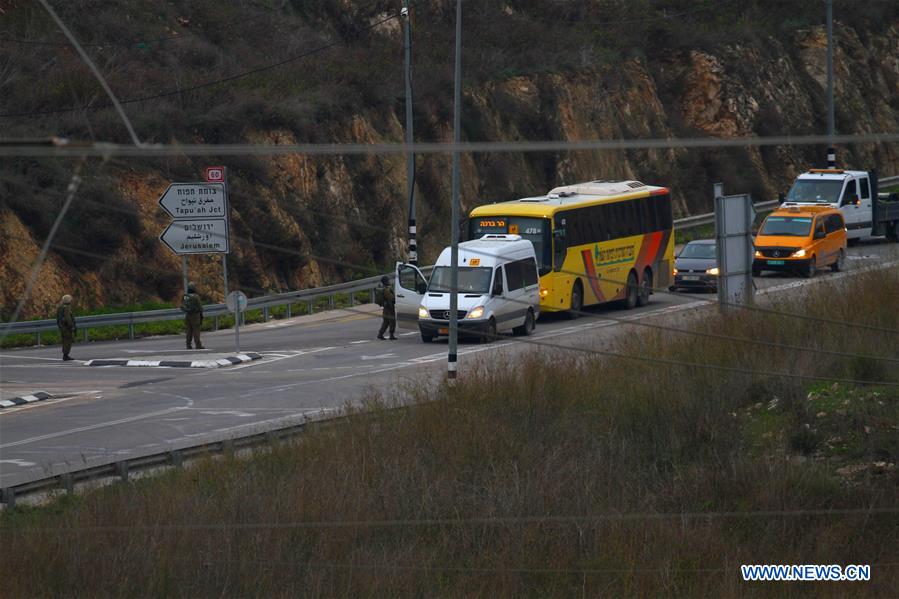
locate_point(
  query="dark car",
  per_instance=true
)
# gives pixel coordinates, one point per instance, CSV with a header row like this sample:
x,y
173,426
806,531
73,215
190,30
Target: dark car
x,y
696,267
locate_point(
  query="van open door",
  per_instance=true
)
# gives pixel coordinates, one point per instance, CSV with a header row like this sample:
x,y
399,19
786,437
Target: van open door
x,y
410,286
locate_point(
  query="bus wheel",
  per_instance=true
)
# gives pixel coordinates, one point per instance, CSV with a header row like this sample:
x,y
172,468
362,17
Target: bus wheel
x,y
632,291
528,327
577,301
645,288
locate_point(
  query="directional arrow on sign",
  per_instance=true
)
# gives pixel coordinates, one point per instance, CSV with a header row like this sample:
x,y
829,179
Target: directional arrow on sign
x,y
195,200
197,236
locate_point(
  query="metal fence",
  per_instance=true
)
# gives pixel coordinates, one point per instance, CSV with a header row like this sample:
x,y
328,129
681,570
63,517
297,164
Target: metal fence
x,y
356,290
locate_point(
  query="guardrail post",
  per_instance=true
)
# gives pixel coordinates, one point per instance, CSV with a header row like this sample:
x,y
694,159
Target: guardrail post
x,y
352,298
8,496
309,307
331,302
121,469
215,323
68,483
288,310
371,293
38,337
85,335
131,330
265,314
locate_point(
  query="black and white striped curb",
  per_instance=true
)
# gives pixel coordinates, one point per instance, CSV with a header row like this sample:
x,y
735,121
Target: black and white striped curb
x,y
24,400
219,363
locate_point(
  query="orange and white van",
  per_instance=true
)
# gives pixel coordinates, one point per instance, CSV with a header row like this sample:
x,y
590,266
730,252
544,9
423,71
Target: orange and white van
x,y
801,239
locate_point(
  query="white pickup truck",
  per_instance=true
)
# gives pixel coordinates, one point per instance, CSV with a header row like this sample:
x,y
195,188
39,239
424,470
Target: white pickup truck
x,y
866,212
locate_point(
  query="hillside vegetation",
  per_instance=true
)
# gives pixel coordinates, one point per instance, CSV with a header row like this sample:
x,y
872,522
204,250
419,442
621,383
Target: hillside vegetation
x,y
328,71
653,472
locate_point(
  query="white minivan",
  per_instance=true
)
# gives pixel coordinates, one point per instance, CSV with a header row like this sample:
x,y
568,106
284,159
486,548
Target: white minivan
x,y
498,290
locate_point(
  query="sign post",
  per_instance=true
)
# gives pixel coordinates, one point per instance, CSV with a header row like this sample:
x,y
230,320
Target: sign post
x,y
237,303
734,216
219,174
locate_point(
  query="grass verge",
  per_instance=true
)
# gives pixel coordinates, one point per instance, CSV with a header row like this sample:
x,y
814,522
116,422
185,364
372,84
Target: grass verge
x,y
557,474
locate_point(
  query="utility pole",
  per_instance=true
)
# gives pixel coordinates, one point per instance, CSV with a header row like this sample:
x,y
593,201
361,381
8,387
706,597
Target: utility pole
x,y
831,151
454,219
410,156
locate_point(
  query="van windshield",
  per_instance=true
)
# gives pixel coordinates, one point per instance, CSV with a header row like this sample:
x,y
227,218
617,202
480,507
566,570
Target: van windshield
x,y
787,225
471,279
820,191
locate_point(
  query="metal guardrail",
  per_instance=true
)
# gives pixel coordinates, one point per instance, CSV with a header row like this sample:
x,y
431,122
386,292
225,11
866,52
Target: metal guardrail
x,y
265,303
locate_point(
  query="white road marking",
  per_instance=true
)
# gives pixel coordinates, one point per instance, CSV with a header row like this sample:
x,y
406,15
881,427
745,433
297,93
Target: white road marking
x,y
237,413
379,357
21,463
359,342
408,334
297,354
15,357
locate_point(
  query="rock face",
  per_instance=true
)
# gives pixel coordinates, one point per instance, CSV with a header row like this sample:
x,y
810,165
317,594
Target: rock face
x,y
300,221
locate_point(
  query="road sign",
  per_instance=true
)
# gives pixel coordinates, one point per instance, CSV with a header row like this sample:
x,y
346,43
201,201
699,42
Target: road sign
x,y
215,174
236,301
195,200
197,236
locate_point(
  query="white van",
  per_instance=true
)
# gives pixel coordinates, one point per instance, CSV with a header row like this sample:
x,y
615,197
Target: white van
x,y
498,290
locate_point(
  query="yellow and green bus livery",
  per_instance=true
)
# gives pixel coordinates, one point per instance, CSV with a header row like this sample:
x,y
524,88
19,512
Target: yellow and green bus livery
x,y
596,242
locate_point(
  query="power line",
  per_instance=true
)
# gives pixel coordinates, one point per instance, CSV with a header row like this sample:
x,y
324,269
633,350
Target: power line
x,y
470,147
662,17
464,521
173,92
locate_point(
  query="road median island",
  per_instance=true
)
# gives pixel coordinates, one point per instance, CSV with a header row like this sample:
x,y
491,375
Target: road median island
x,y
656,465
186,360
24,400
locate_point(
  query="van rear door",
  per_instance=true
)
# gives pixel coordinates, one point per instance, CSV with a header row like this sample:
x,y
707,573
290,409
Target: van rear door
x,y
410,286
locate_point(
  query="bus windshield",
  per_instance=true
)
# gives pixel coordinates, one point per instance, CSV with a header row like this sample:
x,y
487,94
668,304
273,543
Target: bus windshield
x,y
787,225
820,191
535,230
471,279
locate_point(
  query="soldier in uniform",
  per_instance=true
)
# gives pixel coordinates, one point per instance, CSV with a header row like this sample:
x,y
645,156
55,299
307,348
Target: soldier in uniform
x,y
66,323
193,316
388,314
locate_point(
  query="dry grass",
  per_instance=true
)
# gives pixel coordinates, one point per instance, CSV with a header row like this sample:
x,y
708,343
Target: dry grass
x,y
466,492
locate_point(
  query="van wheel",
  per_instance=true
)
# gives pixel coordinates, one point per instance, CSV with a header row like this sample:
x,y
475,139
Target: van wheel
x,y
811,269
427,338
577,301
490,334
528,327
631,292
838,265
645,288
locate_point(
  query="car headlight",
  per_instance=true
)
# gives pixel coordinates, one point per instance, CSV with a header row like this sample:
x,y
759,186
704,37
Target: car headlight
x,y
799,254
422,312
674,271
712,271
758,254
476,313
544,292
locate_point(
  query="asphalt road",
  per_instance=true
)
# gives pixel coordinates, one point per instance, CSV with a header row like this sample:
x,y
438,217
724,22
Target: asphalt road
x,y
311,367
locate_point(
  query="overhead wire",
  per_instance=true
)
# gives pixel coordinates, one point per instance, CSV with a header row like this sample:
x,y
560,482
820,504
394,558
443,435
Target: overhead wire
x,y
462,521
219,81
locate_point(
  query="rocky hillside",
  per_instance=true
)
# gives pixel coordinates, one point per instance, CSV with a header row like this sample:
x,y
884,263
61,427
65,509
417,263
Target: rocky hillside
x,y
601,70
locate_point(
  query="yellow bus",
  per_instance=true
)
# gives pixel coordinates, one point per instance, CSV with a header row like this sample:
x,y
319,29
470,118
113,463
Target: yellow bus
x,y
596,242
